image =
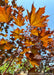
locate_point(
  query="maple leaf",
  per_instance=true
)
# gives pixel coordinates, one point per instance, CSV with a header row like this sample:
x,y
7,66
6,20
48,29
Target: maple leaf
x,y
14,4
6,1
26,17
8,46
34,50
36,18
45,38
43,32
16,33
28,43
20,10
5,14
34,31
4,44
25,50
32,59
3,41
32,70
19,20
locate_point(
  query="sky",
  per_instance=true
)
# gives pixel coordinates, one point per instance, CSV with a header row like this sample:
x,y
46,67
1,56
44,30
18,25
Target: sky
x,y
49,10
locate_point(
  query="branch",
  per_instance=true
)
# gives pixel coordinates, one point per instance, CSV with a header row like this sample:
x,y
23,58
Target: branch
x,y
8,67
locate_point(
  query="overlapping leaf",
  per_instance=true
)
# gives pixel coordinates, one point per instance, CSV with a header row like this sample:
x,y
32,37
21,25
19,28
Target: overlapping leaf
x,y
33,60
17,33
8,46
34,50
45,38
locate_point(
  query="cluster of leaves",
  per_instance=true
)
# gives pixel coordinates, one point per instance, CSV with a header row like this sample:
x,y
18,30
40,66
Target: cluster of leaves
x,y
31,41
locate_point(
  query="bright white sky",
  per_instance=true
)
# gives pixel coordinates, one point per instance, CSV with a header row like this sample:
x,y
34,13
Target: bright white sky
x,y
40,3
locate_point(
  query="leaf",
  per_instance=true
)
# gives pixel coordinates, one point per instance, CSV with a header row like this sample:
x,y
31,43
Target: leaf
x,y
43,32
3,41
34,31
34,61
34,50
2,3
5,14
36,18
0,29
8,46
19,20
25,50
5,44
28,43
5,35
6,1
45,39
16,33
32,70
20,8
45,36
26,17
14,4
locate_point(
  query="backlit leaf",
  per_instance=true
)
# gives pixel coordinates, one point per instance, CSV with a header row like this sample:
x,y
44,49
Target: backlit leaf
x,y
19,20
5,14
3,41
16,33
36,18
